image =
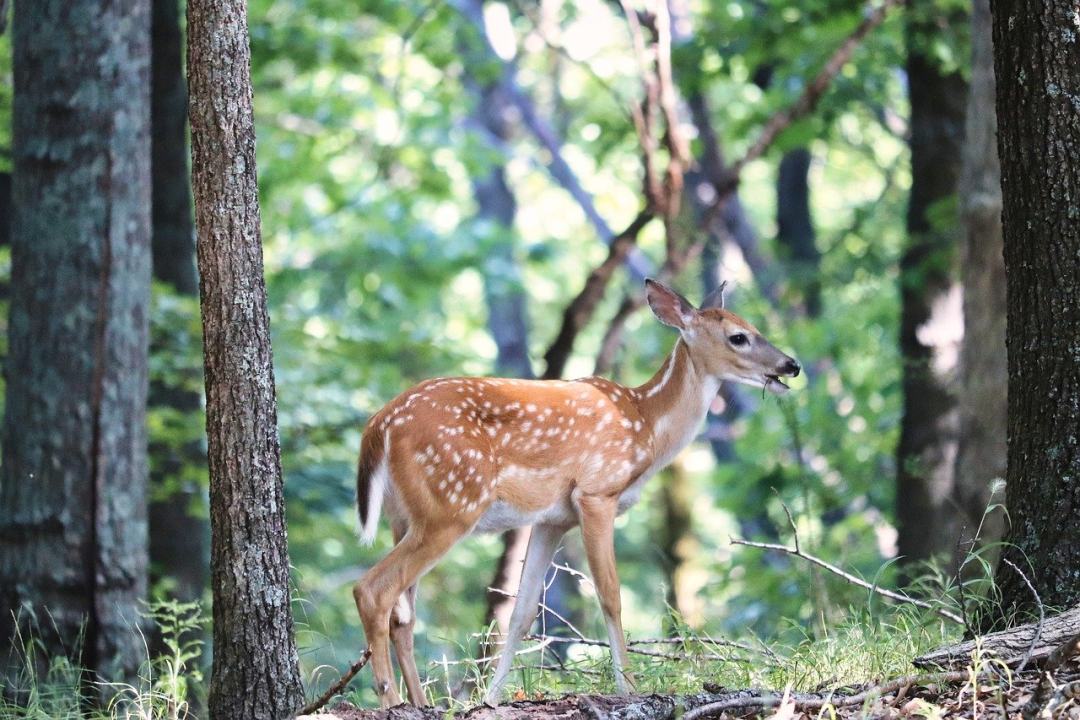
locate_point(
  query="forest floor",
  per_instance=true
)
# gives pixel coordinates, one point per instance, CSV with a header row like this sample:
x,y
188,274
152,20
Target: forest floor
x,y
997,692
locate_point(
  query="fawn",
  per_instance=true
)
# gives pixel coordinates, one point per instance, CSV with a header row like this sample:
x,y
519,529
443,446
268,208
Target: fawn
x,y
452,456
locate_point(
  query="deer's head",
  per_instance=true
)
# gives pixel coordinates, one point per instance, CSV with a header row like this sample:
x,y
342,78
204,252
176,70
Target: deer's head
x,y
720,342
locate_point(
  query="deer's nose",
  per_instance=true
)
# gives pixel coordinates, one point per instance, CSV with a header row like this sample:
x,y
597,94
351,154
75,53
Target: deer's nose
x,y
792,368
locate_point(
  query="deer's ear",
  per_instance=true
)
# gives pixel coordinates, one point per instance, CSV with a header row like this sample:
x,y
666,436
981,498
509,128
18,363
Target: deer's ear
x,y
715,299
668,306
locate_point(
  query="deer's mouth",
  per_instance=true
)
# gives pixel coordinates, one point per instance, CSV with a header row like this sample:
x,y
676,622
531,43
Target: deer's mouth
x,y
775,385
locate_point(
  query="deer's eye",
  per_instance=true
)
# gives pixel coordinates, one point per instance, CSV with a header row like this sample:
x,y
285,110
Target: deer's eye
x,y
737,339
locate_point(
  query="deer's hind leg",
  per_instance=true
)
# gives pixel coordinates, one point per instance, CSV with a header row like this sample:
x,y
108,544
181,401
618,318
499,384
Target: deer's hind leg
x,y
380,589
402,622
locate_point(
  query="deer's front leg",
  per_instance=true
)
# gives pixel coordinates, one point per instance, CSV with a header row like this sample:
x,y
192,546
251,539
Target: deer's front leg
x,y
598,535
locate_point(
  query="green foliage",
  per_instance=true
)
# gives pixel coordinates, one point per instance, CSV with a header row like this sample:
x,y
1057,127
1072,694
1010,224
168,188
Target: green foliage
x,y
56,689
376,267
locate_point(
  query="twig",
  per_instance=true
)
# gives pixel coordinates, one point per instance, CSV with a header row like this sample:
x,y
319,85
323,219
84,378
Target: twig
x,y
898,597
810,702
1033,708
1042,614
545,608
601,643
338,686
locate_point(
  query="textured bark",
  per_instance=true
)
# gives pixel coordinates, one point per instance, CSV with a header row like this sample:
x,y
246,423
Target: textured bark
x,y
930,312
1008,645
1037,63
179,532
984,375
795,227
255,672
73,480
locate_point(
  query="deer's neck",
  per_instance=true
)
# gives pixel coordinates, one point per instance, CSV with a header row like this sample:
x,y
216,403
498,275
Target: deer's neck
x,y
674,401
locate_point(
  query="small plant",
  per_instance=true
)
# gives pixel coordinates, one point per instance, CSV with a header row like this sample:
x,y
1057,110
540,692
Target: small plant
x,y
58,689
167,682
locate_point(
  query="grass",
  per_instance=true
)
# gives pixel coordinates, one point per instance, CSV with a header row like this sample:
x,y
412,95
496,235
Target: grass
x,y
868,645
164,689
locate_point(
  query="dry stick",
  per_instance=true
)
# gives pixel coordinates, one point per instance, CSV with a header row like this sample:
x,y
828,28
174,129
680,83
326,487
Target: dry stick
x,y
1042,614
809,702
898,597
338,686
1034,706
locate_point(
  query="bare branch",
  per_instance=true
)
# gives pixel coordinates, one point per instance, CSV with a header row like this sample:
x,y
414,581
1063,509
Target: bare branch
x,y
898,597
807,702
338,686
1042,614
816,88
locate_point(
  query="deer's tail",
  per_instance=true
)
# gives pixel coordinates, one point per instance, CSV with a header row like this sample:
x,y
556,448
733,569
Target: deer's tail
x,y
372,476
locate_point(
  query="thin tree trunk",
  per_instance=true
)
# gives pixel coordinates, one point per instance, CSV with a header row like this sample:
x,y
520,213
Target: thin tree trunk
x,y
795,227
496,208
494,113
179,533
930,318
73,479
1038,87
677,543
256,672
984,378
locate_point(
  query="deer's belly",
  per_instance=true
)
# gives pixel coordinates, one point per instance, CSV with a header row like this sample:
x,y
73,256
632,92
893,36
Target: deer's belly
x,y
502,516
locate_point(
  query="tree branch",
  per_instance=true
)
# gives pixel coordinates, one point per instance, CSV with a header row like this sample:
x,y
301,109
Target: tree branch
x,y
898,597
338,686
807,702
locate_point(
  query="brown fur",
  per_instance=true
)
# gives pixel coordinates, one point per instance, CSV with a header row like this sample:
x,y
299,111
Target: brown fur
x,y
486,453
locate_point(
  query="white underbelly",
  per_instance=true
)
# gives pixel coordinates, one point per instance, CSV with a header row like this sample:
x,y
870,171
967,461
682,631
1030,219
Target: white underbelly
x,y
502,516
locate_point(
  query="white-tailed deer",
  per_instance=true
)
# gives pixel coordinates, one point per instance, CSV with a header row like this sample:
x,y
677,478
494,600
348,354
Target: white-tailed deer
x,y
453,456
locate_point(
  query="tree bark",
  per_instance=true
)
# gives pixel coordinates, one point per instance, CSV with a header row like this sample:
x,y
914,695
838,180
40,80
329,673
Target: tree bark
x,y
1037,65
179,533
73,479
930,319
255,671
1010,645
984,377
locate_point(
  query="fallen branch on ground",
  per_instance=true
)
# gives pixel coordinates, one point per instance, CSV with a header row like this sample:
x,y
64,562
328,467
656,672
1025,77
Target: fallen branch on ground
x,y
1041,706
810,702
338,686
1010,646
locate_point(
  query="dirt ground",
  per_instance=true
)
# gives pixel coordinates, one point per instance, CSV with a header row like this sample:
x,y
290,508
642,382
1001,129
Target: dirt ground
x,y
1003,695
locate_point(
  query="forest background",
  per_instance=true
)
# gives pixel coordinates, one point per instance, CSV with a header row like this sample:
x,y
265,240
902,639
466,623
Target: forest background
x,y
437,181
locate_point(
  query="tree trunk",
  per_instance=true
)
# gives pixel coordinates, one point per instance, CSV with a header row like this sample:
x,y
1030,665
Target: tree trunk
x,y
930,317
496,208
179,534
1038,87
493,114
256,671
795,227
73,480
984,378
677,543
